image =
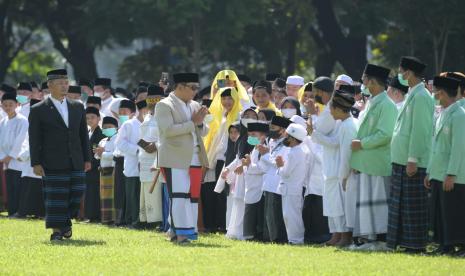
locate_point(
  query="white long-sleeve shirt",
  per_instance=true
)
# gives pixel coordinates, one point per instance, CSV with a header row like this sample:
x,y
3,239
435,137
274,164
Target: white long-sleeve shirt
x,y
315,183
108,144
294,170
24,158
268,164
337,149
253,176
149,133
324,123
13,132
106,107
126,142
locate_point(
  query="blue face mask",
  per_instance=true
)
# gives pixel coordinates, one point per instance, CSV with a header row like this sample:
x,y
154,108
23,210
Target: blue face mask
x,y
22,99
123,118
109,132
253,141
401,79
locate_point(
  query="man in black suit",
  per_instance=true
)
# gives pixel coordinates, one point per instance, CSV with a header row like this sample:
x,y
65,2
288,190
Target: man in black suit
x,y
60,153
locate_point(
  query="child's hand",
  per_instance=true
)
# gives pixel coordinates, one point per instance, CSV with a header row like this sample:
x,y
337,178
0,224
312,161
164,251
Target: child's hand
x,y
239,170
98,151
279,161
224,174
246,161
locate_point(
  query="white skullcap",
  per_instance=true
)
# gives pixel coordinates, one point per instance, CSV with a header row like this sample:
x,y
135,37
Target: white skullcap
x,y
296,119
345,79
295,80
297,131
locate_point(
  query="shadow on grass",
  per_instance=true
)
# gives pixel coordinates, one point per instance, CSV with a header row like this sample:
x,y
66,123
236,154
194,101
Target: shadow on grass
x,y
76,243
202,245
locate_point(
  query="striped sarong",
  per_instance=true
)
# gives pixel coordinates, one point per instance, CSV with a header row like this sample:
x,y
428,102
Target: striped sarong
x,y
62,194
107,202
408,210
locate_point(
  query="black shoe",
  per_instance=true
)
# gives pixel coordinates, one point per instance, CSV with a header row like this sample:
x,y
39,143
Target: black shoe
x,y
56,236
67,232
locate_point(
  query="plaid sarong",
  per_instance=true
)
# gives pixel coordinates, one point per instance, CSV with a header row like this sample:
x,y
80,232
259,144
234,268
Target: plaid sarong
x,y
107,203
62,194
408,210
371,213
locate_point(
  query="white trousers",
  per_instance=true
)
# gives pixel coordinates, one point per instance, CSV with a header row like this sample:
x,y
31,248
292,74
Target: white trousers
x,y
183,213
337,224
292,214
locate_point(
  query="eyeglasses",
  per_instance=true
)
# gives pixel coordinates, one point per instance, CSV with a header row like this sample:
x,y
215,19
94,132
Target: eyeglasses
x,y
194,87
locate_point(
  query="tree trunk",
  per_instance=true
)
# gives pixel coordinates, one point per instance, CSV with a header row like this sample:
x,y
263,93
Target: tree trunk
x,y
196,45
292,37
350,50
324,64
81,57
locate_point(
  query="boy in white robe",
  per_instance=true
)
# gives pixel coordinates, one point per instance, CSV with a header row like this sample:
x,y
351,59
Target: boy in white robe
x,y
13,131
339,145
291,169
254,201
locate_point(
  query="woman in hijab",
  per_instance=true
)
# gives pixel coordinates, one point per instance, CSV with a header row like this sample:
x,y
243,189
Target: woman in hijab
x,y
290,107
224,111
233,174
228,78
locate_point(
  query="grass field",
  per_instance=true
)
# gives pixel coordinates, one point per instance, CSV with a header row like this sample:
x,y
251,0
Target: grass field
x,y
25,249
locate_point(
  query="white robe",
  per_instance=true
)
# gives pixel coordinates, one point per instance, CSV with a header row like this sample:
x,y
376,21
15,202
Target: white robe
x,y
291,188
267,164
236,220
108,144
13,132
24,158
253,180
338,147
126,142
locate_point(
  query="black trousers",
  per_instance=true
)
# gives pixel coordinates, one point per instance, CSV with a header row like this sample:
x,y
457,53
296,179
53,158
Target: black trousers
x,y
448,214
13,186
316,225
132,200
213,204
254,217
31,201
274,228
120,194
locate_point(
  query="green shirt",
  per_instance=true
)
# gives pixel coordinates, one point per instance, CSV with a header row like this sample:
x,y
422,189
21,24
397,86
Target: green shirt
x,y
448,150
414,128
375,132
462,102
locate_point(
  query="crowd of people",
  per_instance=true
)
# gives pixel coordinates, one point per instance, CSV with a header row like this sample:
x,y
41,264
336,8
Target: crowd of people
x,y
373,164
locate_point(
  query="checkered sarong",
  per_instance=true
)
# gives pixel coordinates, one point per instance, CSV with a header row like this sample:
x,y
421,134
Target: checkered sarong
x,y
408,210
107,202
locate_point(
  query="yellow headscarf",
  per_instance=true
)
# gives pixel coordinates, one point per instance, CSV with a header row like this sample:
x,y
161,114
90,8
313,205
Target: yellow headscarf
x,y
217,110
300,94
242,93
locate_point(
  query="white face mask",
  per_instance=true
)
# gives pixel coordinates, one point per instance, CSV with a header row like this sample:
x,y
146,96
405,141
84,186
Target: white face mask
x,y
245,122
98,94
288,112
208,118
